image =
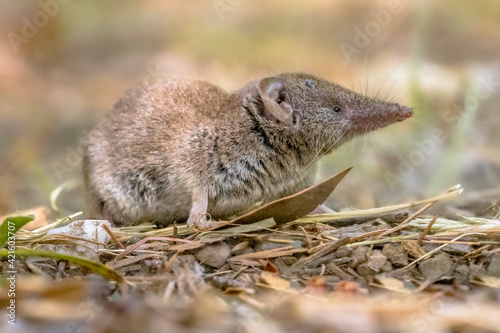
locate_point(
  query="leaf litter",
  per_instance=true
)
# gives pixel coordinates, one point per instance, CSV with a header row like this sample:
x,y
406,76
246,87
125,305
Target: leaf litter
x,y
276,268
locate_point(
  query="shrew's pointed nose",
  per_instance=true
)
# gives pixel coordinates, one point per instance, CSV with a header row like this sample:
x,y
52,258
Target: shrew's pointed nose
x,y
404,112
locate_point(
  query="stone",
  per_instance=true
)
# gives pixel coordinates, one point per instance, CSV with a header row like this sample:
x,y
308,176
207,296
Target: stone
x,y
365,271
396,254
214,255
343,251
494,266
436,267
387,267
461,273
358,256
377,261
476,270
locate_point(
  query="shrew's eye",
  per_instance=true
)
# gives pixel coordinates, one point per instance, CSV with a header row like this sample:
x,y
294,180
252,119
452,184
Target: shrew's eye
x,y
309,84
281,96
336,109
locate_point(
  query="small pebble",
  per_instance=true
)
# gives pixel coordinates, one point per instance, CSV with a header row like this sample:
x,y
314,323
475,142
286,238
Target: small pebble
x,y
462,273
358,256
437,267
377,261
396,254
476,270
494,266
365,271
214,255
343,251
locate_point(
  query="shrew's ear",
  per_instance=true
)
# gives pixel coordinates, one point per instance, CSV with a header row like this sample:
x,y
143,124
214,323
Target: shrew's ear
x,y
276,101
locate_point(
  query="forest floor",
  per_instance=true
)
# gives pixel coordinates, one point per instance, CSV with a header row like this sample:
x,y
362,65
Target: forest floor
x,y
274,269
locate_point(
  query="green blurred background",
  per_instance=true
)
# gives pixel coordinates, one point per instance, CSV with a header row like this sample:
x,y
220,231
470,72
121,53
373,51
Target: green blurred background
x,y
64,63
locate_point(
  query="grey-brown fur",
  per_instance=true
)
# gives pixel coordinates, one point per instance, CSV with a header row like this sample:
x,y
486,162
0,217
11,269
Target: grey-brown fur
x,y
177,149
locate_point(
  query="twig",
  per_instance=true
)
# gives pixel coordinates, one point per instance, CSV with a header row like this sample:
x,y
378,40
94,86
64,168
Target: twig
x,y
175,230
426,230
420,211
117,241
133,260
135,246
308,239
367,235
428,254
327,249
407,221
281,251
477,251
454,191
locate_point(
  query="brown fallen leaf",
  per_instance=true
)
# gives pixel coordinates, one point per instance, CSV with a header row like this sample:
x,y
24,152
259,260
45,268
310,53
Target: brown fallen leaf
x,y
292,207
271,268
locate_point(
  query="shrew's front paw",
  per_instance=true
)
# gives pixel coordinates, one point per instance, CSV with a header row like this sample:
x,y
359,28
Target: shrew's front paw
x,y
198,221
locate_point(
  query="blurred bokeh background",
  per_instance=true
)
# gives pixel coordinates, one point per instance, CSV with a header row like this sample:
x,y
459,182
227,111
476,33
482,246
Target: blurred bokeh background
x,y
64,63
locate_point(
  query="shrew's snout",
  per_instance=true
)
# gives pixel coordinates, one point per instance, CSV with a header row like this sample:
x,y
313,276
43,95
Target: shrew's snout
x,y
404,112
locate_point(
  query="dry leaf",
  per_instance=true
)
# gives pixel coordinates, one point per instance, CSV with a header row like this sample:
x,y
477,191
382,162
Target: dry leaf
x,y
271,268
294,206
